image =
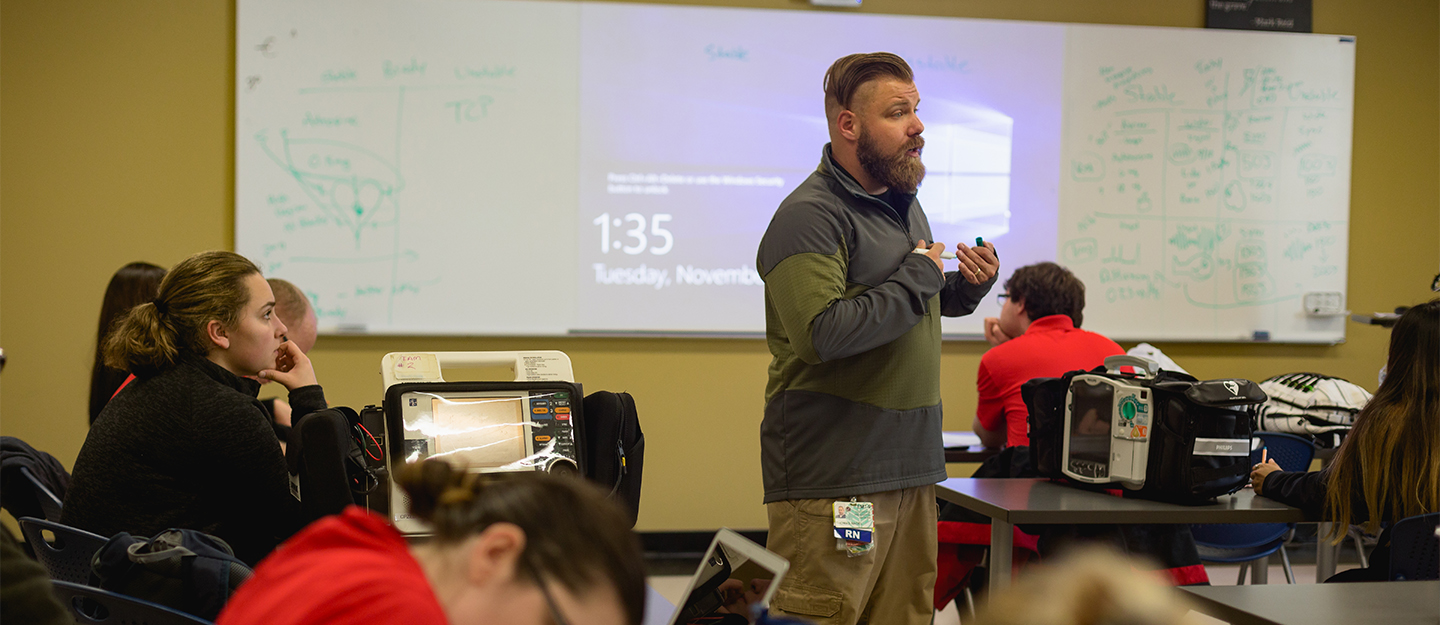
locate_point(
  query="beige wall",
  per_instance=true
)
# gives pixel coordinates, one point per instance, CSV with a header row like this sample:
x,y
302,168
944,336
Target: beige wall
x,y
116,144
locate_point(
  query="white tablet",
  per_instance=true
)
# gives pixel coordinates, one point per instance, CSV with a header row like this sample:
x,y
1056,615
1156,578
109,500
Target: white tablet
x,y
736,576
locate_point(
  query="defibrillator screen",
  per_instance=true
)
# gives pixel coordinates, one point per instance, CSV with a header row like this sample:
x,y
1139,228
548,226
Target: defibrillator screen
x,y
1090,415
471,430
480,431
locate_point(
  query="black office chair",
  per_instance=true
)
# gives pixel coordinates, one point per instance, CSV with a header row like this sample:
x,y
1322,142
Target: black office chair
x,y
67,558
25,495
49,504
1414,548
22,491
93,606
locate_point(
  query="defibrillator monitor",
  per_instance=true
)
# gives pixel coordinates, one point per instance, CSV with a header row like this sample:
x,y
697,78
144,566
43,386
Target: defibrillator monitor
x,y
1107,431
487,426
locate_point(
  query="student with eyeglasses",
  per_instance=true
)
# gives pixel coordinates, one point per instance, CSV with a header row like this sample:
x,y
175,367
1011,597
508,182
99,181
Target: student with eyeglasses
x,y
508,548
1037,335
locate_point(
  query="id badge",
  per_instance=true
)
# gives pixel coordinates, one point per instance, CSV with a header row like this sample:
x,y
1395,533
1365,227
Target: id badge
x,y
854,526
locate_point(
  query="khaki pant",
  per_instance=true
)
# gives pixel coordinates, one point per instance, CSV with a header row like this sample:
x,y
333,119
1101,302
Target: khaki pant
x,y
893,583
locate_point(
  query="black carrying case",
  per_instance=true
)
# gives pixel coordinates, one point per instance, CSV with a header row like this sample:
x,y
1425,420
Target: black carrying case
x,y
1186,410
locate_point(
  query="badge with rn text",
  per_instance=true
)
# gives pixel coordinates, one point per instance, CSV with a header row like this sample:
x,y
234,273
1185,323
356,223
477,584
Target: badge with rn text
x,y
854,526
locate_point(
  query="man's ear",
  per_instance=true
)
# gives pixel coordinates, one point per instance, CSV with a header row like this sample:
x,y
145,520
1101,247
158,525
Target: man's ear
x,y
1020,308
218,334
848,124
495,554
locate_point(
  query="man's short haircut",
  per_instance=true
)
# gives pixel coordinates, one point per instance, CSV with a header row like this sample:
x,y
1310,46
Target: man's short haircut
x,y
848,73
1047,289
289,298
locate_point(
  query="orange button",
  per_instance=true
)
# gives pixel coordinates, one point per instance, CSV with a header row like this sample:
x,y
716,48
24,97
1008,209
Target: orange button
x,y
562,411
541,410
541,439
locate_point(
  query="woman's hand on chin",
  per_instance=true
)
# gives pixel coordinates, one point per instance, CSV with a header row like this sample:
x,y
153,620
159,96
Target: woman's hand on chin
x,y
292,367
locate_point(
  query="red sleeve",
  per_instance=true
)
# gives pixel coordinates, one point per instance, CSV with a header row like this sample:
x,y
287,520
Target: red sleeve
x,y
990,409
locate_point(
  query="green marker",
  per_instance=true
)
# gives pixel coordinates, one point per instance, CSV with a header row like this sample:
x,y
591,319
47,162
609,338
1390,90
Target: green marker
x,y
979,241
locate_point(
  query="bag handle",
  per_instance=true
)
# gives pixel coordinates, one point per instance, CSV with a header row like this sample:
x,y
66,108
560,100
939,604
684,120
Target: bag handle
x,y
1150,367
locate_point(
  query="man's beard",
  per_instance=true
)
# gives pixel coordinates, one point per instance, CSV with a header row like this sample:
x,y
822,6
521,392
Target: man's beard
x,y
897,171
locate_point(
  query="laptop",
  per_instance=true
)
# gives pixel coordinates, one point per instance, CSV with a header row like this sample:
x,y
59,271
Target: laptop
x,y
736,576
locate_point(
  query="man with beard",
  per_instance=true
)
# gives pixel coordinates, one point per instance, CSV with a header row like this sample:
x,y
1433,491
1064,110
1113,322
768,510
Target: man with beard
x,y
854,287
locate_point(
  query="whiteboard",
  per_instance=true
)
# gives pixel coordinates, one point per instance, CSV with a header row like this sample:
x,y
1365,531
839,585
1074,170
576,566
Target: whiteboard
x,y
1207,184
480,167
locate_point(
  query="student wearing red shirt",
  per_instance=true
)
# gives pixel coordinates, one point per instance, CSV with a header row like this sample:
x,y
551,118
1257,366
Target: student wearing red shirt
x,y
507,549
1038,335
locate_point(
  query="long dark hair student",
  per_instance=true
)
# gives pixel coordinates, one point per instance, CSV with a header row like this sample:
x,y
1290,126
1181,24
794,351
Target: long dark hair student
x,y
186,444
514,548
133,284
1392,454
1388,468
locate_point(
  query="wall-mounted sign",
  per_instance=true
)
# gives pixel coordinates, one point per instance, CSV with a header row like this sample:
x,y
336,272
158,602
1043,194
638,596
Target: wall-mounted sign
x,y
1291,16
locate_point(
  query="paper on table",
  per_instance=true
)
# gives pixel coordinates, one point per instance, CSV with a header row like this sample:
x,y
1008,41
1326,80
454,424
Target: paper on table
x,y
953,440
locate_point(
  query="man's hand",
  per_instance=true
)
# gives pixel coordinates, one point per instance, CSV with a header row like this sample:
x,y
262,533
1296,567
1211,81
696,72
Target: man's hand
x,y
993,333
934,253
1258,473
977,264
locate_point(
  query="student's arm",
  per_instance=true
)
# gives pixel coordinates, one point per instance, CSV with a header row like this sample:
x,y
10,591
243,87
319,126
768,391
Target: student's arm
x,y
1303,490
805,260
989,422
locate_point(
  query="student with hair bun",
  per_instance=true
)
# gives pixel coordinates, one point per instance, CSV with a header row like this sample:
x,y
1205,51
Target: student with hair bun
x,y
187,445
508,548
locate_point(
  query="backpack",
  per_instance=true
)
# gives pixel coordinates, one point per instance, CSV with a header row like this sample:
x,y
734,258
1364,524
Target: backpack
x,y
1314,406
615,447
1199,432
187,570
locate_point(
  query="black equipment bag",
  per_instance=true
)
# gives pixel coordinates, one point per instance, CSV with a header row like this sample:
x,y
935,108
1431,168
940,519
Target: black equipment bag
x,y
615,447
187,570
1186,411
327,464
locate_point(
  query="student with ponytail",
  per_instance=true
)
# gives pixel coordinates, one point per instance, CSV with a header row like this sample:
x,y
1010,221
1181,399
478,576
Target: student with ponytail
x,y
186,444
507,548
1388,468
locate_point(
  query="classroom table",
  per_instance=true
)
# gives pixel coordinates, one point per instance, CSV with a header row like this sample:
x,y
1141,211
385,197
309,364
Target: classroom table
x,y
1401,603
1008,501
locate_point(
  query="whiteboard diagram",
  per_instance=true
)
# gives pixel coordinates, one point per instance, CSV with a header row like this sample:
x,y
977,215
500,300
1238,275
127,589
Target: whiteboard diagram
x,y
1205,188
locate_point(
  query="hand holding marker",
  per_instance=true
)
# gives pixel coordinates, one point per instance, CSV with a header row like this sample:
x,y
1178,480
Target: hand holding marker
x,y
979,242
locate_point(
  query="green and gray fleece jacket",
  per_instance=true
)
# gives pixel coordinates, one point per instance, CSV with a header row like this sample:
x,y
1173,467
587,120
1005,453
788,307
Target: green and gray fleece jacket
x,y
852,320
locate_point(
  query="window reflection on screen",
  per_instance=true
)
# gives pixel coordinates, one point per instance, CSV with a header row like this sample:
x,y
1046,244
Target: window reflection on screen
x,y
481,432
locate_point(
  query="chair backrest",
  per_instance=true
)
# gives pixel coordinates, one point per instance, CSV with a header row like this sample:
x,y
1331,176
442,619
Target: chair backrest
x,y
1289,451
92,605
1238,535
68,557
1414,548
